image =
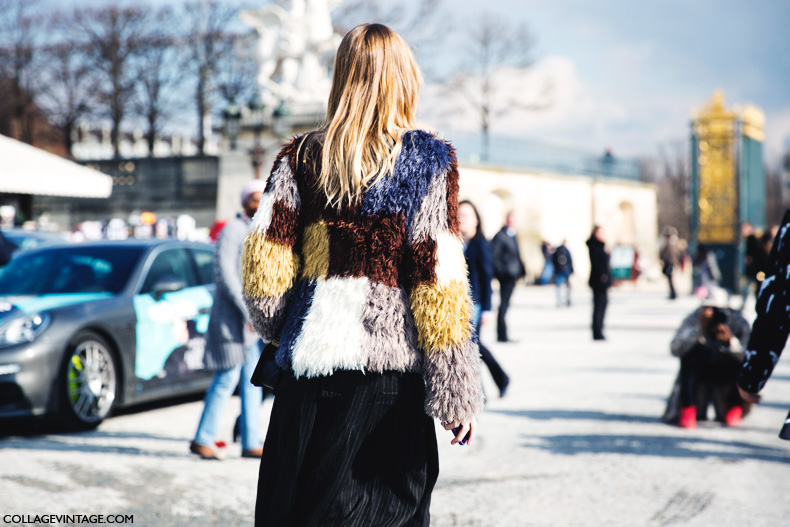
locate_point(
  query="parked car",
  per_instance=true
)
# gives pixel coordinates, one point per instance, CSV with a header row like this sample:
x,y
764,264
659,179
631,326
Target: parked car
x,y
89,327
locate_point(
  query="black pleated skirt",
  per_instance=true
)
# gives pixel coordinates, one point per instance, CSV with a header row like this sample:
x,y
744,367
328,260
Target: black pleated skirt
x,y
350,449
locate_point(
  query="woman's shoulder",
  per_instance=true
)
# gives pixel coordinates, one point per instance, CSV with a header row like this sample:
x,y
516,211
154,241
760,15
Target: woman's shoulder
x,y
421,146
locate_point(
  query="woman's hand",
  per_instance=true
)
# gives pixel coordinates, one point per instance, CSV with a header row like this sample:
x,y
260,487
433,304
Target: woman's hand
x,y
464,428
485,317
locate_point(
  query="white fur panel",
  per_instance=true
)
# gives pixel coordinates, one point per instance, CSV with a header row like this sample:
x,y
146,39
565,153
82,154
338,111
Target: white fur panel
x,y
332,335
451,265
263,218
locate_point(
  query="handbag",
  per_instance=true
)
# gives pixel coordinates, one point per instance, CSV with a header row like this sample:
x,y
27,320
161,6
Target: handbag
x,y
267,372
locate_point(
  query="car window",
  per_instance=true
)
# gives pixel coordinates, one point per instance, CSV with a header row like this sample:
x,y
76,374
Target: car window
x,y
69,270
204,260
170,263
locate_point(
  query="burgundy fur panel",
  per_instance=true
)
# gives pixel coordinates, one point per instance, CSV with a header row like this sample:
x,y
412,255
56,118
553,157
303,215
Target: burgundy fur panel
x,y
385,241
452,195
288,150
371,246
283,228
421,262
347,249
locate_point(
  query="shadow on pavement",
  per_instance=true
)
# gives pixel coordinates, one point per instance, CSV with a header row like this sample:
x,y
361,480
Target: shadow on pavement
x,y
545,415
659,446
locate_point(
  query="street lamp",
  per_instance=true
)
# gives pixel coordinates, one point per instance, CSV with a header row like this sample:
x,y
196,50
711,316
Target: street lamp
x,y
257,152
232,116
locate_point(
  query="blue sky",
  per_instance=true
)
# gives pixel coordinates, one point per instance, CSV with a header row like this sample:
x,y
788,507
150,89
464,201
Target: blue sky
x,y
639,68
627,73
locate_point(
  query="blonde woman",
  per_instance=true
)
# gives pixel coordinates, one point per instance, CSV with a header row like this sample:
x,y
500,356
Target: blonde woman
x,y
354,266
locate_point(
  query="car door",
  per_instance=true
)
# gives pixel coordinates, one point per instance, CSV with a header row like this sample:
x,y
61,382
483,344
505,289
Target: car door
x,y
172,309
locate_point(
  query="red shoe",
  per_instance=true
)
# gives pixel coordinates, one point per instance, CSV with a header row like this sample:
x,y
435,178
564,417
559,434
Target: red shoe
x,y
688,417
734,416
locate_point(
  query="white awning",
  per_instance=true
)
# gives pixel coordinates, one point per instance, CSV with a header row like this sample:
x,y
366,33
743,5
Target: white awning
x,y
28,170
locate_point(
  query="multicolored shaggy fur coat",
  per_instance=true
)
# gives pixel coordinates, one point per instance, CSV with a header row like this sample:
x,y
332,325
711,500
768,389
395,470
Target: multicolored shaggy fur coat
x,y
380,285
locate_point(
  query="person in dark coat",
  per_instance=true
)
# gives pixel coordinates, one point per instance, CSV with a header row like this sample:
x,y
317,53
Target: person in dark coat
x,y
600,279
479,262
563,269
232,348
772,325
508,268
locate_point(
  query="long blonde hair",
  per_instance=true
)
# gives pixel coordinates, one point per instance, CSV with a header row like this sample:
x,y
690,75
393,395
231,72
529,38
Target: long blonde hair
x,y
375,88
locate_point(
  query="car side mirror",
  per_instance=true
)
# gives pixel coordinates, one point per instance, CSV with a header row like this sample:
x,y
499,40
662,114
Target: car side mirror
x,y
167,284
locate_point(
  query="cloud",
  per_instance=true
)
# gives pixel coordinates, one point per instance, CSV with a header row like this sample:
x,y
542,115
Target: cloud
x,y
576,115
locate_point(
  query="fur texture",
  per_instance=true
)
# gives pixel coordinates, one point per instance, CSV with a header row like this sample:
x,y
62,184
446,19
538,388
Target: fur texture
x,y
421,263
282,229
384,281
454,390
266,315
390,336
451,265
422,157
315,247
442,314
299,305
332,332
453,224
267,269
432,214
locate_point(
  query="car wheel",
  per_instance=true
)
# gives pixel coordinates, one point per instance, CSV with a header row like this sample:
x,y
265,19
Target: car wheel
x,y
89,382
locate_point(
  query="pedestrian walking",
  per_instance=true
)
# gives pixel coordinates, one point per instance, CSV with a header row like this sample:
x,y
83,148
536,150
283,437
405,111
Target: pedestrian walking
x,y
670,258
354,268
508,269
709,344
705,270
772,325
479,262
232,348
563,269
600,279
547,274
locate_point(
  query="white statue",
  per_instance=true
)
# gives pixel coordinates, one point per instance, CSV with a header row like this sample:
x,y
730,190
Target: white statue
x,y
293,42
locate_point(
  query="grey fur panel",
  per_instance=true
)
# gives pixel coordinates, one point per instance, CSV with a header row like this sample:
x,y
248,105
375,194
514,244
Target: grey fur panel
x,y
267,315
453,388
283,185
432,214
390,335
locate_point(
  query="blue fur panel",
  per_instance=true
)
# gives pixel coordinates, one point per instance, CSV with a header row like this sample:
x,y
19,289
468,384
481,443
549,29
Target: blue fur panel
x,y
422,157
298,305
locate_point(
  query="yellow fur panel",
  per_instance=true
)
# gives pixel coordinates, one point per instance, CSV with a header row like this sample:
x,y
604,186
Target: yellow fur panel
x,y
442,314
315,250
268,269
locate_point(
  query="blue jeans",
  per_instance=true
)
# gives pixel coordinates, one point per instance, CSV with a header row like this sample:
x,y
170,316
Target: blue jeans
x,y
219,392
560,279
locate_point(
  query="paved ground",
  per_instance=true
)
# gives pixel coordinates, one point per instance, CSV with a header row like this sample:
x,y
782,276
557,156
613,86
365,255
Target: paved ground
x,y
576,442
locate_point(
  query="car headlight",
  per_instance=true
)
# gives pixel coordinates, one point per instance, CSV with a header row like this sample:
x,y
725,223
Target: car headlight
x,y
23,329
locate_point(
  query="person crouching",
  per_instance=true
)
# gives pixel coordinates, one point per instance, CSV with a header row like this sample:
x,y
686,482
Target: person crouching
x,y
709,344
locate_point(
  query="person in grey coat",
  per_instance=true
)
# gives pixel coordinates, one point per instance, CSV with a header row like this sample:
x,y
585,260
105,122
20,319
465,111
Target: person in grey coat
x,y
232,347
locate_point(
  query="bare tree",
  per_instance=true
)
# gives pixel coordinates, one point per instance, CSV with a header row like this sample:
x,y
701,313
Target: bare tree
x,y
207,24
670,170
495,45
20,35
422,27
237,73
112,39
160,78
